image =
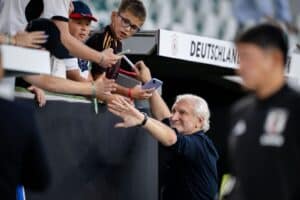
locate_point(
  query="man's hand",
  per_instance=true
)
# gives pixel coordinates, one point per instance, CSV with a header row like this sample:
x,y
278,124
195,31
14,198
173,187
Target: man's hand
x,y
108,58
138,93
30,39
109,98
124,109
104,86
39,95
143,72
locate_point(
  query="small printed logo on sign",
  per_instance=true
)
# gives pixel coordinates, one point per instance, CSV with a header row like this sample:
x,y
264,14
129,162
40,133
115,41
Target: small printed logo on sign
x,y
174,47
239,128
274,126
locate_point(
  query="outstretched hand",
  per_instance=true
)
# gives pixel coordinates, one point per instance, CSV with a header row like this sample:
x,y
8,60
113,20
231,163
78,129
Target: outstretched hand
x,y
125,109
104,86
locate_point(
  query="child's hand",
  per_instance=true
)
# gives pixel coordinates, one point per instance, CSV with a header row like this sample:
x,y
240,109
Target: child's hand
x,y
104,86
142,71
138,93
39,95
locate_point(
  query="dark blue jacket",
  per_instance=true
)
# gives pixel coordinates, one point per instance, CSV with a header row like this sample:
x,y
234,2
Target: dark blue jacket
x,y
190,172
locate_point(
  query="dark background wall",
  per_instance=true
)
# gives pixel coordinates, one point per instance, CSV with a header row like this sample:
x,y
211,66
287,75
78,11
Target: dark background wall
x,y
89,159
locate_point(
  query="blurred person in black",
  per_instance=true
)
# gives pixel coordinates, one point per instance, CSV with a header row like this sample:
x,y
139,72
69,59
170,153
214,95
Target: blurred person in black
x,y
22,155
264,142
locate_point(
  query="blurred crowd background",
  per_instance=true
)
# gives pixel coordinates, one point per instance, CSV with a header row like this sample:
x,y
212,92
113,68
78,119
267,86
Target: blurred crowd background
x,y
212,18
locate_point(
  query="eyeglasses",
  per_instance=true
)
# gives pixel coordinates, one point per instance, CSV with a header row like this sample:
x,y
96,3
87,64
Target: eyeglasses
x,y
126,23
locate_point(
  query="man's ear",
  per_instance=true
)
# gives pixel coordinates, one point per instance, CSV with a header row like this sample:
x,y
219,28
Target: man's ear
x,y
278,57
200,120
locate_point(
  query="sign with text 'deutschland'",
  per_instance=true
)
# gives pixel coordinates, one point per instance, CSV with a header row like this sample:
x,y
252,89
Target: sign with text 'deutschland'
x,y
197,49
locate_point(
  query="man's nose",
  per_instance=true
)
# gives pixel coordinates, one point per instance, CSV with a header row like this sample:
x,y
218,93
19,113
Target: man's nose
x,y
174,116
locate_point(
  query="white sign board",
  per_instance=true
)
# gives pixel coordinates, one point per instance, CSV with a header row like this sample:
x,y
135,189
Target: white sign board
x,y
293,67
197,49
25,60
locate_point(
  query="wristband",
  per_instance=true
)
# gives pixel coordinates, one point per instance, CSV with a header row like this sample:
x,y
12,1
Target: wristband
x,y
94,90
101,59
129,94
144,120
94,97
9,40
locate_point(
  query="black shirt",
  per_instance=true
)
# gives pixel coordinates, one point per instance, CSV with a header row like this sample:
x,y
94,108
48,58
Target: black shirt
x,y
100,41
21,153
265,147
190,173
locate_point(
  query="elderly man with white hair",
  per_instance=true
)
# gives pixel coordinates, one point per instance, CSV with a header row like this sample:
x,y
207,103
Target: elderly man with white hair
x,y
192,169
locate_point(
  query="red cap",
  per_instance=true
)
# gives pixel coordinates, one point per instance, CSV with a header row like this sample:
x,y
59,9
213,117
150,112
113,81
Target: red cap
x,y
81,10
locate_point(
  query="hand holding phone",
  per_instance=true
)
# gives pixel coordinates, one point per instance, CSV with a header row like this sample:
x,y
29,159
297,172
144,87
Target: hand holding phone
x,y
122,53
153,83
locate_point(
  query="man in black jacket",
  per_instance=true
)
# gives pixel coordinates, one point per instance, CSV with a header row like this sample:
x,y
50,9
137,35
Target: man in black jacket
x,y
265,141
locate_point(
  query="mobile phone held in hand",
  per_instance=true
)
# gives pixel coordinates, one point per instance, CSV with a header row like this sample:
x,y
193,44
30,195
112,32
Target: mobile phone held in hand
x,y
113,72
123,52
129,62
153,83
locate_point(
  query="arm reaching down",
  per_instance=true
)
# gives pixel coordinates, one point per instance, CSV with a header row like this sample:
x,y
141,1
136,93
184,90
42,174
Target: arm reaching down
x,y
134,93
25,39
102,85
106,58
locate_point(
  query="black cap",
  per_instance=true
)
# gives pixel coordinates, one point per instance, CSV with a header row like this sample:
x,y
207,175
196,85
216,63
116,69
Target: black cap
x,y
53,44
266,36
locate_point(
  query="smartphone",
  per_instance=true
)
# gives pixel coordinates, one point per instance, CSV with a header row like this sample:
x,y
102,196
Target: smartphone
x,y
153,83
123,52
113,72
129,62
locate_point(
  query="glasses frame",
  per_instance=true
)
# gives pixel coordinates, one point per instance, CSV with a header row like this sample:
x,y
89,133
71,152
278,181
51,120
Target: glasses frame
x,y
126,23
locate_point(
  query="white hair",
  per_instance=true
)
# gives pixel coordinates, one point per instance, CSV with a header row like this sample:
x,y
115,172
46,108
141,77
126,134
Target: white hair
x,y
200,108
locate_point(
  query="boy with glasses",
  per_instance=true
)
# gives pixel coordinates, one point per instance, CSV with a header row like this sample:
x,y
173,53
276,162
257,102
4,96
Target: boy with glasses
x,y
124,23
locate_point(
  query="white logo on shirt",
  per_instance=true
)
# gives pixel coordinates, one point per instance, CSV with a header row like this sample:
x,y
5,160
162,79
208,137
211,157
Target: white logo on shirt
x,y
239,128
274,126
